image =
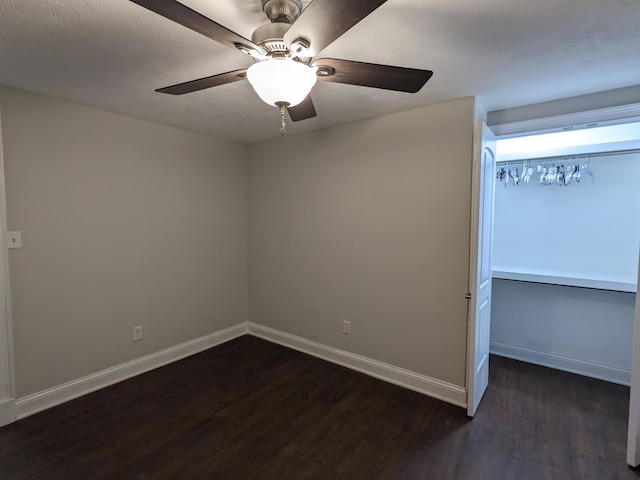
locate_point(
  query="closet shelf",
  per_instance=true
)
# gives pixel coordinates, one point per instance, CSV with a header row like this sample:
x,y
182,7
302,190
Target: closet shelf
x,y
566,279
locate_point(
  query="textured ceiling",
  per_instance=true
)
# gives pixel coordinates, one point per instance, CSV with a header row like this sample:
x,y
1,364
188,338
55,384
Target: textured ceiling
x,y
113,54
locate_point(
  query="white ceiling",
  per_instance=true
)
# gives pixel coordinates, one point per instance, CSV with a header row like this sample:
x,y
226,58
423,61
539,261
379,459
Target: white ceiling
x,y
112,54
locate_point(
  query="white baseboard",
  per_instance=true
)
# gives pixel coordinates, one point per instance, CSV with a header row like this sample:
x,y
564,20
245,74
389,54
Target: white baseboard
x,y
7,412
413,381
51,397
567,364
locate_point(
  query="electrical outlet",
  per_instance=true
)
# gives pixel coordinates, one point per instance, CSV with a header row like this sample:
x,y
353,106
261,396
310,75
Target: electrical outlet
x,y
346,327
137,333
14,240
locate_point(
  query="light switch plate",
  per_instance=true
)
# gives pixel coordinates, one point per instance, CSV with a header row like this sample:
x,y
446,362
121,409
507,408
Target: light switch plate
x,y
14,240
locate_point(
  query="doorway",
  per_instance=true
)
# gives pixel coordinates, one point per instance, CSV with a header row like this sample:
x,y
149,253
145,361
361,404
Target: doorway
x,y
565,249
577,260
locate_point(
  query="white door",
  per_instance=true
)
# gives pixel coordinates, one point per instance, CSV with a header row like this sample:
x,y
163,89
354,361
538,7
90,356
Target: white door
x,y
479,317
633,443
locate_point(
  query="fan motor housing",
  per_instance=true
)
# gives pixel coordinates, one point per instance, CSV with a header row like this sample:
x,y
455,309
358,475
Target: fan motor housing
x,y
282,11
270,37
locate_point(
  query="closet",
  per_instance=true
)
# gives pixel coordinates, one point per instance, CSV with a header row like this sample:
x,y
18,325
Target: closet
x,y
565,250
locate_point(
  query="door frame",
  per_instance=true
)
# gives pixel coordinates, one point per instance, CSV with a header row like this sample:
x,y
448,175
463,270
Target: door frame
x,y
7,383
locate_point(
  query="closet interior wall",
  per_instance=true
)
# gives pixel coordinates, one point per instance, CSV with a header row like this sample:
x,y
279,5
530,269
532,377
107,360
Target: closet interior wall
x,y
576,248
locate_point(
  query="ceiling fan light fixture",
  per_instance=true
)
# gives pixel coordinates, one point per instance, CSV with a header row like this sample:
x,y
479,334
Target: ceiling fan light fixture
x,y
281,80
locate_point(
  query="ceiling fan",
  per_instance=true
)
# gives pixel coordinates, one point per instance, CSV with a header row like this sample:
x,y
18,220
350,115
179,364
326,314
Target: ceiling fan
x,y
285,70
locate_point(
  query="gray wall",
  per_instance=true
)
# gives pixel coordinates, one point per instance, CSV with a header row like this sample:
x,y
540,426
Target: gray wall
x,y
123,223
368,222
127,223
581,330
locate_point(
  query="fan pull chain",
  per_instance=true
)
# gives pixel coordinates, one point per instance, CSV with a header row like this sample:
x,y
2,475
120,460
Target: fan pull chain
x,y
283,126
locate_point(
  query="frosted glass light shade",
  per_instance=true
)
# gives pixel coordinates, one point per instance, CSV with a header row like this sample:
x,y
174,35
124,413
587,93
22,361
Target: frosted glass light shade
x,y
281,80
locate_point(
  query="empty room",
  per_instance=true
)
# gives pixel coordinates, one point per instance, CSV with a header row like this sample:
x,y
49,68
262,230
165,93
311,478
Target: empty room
x,y
255,240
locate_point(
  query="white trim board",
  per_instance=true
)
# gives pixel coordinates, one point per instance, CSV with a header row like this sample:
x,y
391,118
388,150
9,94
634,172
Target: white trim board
x,y
7,412
51,397
7,390
413,381
559,362
585,119
555,278
57,395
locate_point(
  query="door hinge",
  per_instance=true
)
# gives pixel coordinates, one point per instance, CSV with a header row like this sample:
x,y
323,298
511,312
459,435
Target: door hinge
x,y
468,296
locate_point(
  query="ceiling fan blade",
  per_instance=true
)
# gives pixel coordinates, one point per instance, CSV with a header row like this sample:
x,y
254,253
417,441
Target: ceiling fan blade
x,y
206,82
323,21
197,22
303,110
372,75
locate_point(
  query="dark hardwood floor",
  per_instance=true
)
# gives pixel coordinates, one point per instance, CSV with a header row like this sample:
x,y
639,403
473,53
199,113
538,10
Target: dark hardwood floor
x,y
250,409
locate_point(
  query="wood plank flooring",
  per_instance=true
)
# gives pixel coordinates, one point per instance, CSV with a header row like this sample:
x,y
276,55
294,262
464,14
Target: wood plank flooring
x,y
250,409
